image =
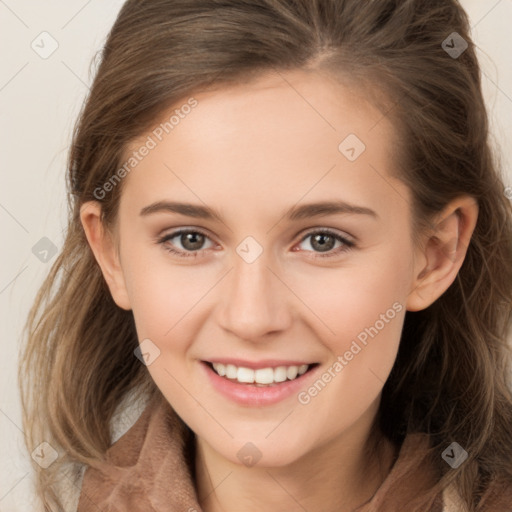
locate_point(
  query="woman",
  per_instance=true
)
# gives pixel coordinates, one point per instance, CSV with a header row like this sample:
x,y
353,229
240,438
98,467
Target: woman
x,y
329,332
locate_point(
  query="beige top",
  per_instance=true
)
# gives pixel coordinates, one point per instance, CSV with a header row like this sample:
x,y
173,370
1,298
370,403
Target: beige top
x,y
150,469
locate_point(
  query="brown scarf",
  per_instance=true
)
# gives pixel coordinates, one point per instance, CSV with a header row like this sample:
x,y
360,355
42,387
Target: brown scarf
x,y
149,469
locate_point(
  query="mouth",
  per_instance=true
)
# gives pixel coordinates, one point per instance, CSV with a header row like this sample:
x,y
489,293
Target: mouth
x,y
269,376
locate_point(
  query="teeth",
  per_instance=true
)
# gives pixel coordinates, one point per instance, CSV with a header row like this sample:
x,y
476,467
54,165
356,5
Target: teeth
x,y
231,371
263,376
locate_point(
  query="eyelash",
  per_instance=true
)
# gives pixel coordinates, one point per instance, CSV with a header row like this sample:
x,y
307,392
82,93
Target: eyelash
x,y
348,244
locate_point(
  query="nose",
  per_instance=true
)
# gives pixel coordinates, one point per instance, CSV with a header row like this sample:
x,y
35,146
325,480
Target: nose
x,y
255,301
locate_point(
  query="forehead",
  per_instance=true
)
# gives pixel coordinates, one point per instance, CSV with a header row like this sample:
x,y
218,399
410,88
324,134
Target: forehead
x,y
289,132
278,109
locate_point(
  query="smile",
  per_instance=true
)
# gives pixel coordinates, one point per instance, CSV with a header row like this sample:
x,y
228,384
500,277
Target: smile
x,y
257,387
261,376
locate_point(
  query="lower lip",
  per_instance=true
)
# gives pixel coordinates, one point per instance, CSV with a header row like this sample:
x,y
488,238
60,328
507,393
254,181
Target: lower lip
x,y
252,395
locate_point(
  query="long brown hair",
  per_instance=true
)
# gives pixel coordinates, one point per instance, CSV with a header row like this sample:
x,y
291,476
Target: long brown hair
x,y
450,376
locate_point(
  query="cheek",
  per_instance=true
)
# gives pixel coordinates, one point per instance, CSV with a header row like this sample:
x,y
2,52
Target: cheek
x,y
345,300
348,300
340,309
365,312
162,293
361,311
166,301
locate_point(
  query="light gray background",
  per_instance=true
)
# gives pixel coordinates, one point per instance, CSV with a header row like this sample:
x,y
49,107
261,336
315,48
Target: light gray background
x,y
39,102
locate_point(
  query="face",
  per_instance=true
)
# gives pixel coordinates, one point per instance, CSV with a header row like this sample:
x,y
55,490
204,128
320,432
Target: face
x,y
267,280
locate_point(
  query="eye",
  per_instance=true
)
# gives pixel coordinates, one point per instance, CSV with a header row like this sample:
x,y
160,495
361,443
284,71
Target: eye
x,y
324,240
191,241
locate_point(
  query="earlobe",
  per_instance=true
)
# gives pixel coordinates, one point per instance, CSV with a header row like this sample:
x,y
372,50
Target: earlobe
x,y
443,253
104,250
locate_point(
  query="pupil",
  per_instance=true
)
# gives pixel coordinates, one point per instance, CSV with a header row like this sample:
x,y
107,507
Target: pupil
x,y
191,238
195,241
323,246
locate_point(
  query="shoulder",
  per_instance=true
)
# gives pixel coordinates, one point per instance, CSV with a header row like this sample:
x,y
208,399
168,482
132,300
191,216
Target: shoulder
x,y
452,501
496,499
128,428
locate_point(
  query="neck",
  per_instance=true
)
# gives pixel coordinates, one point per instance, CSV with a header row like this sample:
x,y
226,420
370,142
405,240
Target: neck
x,y
342,475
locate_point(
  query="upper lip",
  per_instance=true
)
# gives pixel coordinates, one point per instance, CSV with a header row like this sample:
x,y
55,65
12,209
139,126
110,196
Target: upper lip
x,y
255,365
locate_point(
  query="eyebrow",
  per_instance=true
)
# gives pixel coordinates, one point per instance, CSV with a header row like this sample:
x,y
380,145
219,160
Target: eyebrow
x,y
293,214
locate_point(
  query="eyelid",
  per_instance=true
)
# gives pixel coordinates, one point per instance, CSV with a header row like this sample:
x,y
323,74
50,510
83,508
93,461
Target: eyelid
x,y
184,229
305,233
347,241
330,231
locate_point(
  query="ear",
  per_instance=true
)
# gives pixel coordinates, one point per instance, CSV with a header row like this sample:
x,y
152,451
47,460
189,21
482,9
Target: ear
x,y
103,245
443,253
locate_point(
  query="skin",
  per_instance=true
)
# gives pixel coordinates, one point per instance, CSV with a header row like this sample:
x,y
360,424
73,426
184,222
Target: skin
x,y
251,152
